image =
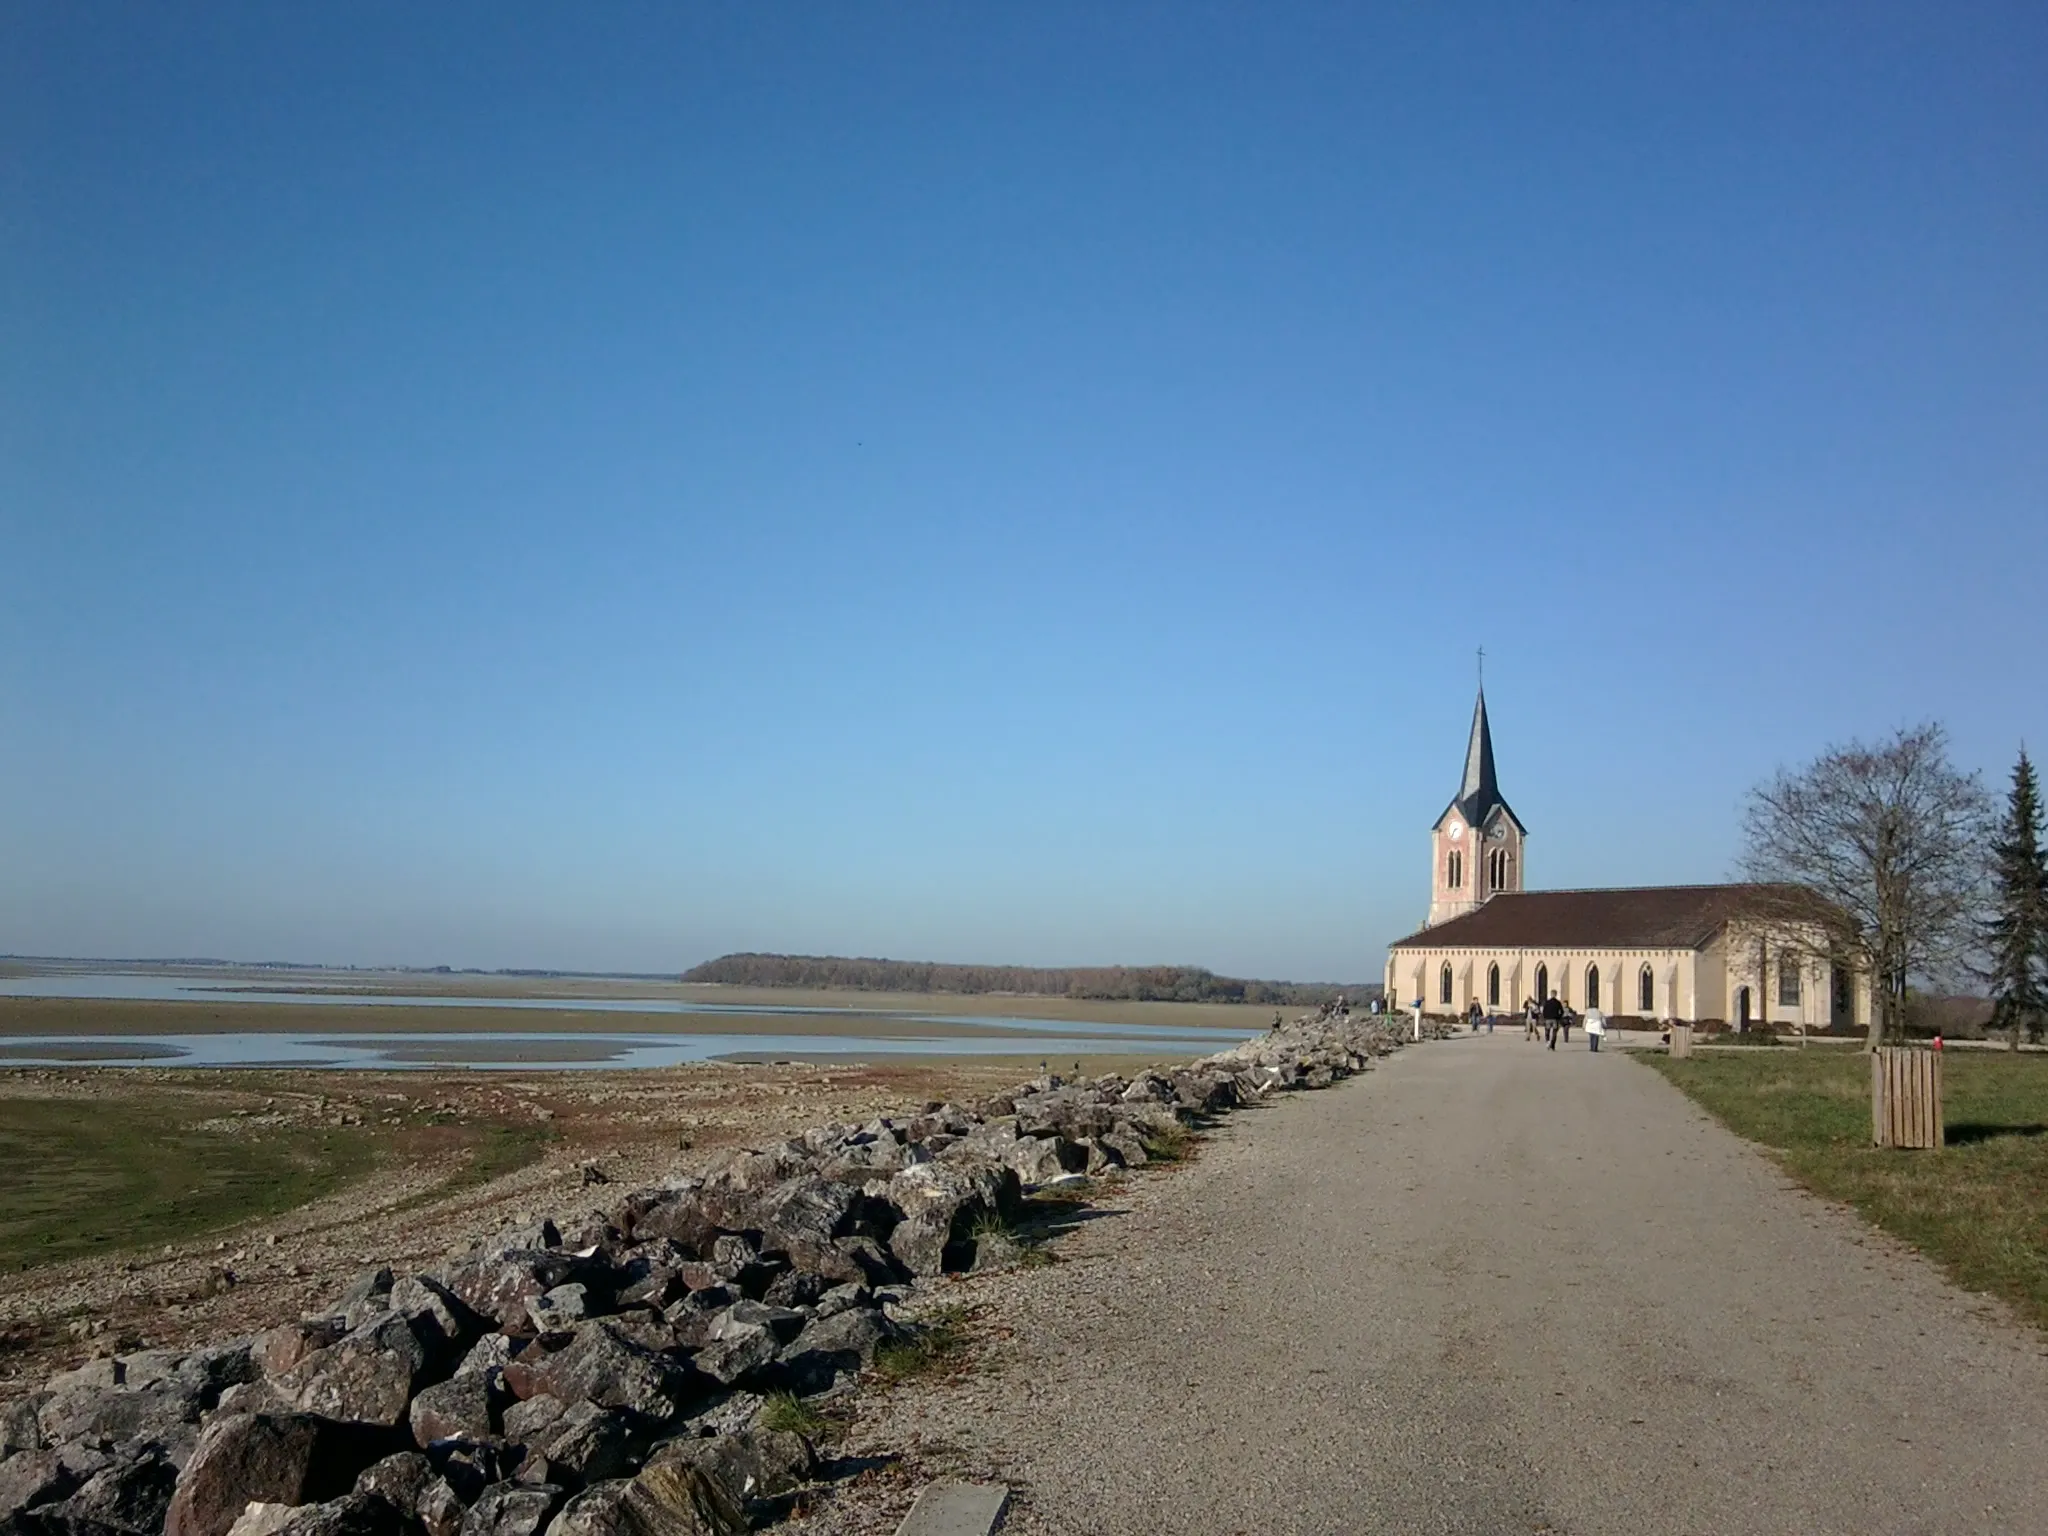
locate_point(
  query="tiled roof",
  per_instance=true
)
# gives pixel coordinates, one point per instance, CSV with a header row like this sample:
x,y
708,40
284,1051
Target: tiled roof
x,y
1625,917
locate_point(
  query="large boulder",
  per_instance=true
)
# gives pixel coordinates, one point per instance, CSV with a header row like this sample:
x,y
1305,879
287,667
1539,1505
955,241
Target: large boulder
x,y
128,1498
801,1216
278,1458
598,1510
672,1500
367,1376
30,1478
598,1365
751,1464
409,1483
462,1407
589,1444
498,1285
941,1201
120,1414
843,1342
512,1509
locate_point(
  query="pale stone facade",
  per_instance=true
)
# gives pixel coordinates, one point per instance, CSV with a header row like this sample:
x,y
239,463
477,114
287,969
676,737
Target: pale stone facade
x,y
1657,953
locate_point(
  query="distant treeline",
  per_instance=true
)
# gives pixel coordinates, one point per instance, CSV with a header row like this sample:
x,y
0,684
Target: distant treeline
x,y
1129,983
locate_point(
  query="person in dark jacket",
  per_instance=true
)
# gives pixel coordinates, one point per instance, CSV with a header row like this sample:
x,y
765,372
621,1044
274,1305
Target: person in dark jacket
x,y
1553,1019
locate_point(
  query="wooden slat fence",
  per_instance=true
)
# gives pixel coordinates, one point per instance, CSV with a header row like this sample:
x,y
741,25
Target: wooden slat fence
x,y
1905,1097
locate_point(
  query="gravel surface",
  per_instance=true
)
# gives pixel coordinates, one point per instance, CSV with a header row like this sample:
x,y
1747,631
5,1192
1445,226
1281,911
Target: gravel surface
x,y
1484,1288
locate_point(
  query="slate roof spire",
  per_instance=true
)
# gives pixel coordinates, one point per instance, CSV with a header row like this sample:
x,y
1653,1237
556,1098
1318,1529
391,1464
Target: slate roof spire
x,y
1480,791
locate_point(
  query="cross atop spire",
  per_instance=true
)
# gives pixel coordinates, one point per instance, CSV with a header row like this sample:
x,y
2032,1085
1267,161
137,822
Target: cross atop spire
x,y
1479,793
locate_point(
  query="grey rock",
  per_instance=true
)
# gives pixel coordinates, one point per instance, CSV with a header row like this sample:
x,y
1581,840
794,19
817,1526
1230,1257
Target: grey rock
x,y
842,1343
940,1202
20,1428
672,1500
560,1309
489,1355
511,1509
287,1344
464,1407
128,1498
526,1421
599,1366
753,1464
598,1510
589,1444
29,1478
353,1514
432,1306
732,1360
283,1459
368,1376
120,1415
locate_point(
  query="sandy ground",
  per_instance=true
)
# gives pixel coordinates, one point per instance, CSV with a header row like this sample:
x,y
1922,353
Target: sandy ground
x,y
633,1125
1485,1288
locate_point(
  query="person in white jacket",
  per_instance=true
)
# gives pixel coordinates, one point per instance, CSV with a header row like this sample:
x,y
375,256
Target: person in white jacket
x,y
1596,1026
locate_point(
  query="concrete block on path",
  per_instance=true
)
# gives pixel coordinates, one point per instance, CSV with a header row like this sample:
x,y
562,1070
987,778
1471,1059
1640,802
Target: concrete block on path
x,y
956,1509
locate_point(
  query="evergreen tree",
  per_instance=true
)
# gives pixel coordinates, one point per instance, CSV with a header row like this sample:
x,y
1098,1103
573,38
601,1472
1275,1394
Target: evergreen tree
x,y
2017,934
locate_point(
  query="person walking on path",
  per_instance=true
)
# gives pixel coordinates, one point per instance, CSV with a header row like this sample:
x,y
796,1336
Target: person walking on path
x,y
1596,1026
1553,1019
1472,1015
1529,1018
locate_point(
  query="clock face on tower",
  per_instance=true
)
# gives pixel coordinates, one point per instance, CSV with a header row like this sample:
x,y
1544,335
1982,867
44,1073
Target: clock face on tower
x,y
1457,830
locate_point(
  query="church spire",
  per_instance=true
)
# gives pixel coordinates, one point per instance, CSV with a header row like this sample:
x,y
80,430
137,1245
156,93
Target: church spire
x,y
1480,792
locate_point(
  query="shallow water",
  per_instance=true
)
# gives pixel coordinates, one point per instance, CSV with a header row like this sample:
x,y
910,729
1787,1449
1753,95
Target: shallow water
x,y
529,1050
137,986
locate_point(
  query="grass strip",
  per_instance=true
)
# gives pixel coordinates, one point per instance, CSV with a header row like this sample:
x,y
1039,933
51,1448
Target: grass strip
x,y
1978,1207
124,1174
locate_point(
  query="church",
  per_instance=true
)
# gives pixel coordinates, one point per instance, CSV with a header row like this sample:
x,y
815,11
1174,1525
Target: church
x,y
1692,954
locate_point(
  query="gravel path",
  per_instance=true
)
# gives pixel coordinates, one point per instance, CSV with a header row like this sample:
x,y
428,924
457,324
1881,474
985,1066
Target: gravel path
x,y
1488,1288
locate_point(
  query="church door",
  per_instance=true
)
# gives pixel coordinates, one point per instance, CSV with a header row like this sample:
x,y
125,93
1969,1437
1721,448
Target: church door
x,y
1742,1010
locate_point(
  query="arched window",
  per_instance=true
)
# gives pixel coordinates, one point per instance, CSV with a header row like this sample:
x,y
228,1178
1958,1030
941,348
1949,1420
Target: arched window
x,y
1788,983
1444,987
1454,870
1592,986
1542,983
1497,870
1646,993
1493,986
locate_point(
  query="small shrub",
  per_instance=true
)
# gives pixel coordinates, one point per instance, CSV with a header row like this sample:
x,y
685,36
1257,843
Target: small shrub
x,y
1169,1143
931,1345
787,1411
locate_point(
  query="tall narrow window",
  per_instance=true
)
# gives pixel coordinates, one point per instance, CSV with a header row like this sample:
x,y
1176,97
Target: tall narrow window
x,y
1454,870
1788,983
1497,876
1646,994
1444,987
1592,986
1493,986
1542,983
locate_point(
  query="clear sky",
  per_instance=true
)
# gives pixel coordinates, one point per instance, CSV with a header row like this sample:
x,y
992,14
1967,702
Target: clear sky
x,y
599,486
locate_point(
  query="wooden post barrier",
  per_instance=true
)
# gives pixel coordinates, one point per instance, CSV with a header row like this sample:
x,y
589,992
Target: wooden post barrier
x,y
1681,1041
1905,1097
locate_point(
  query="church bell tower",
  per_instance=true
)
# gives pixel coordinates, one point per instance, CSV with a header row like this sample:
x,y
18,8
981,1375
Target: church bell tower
x,y
1476,845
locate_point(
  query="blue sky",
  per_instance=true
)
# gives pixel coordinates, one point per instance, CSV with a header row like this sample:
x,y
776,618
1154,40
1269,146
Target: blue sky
x,y
603,486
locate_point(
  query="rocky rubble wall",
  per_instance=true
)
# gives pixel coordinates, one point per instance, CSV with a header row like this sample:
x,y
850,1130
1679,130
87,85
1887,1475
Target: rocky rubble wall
x,y
605,1376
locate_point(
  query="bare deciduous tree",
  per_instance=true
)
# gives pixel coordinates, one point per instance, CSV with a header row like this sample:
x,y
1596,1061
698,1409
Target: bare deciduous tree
x,y
1893,838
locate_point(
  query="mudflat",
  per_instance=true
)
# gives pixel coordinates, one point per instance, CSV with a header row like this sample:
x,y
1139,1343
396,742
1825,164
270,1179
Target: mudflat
x,y
872,1015
1487,1288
